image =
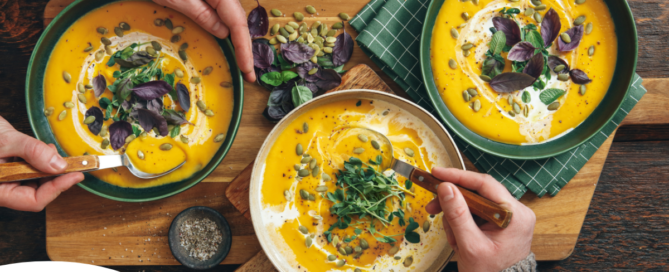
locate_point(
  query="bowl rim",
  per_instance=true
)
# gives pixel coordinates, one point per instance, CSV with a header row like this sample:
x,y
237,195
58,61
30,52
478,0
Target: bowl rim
x,y
223,246
435,98
233,128
258,162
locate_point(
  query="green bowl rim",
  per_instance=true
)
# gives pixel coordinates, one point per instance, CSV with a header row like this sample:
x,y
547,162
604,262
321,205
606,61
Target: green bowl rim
x,y
232,130
426,64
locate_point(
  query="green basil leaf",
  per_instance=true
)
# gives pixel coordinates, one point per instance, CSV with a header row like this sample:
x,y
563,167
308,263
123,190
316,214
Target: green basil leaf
x,y
169,78
527,97
104,102
550,95
136,130
108,112
272,78
175,131
301,95
288,75
498,42
534,37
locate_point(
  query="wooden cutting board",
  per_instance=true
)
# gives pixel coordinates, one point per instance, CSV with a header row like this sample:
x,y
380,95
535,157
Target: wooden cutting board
x,y
82,227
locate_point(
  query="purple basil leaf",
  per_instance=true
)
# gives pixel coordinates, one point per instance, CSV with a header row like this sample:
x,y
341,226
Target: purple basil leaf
x,y
118,131
126,105
303,71
135,60
263,55
152,89
535,66
99,85
343,49
184,96
579,77
312,86
510,29
554,61
149,119
550,27
330,79
174,118
155,105
510,82
274,113
96,126
124,89
522,51
576,33
296,52
258,22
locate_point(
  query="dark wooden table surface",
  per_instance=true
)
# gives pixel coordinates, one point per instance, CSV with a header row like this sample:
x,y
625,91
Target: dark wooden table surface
x,y
627,226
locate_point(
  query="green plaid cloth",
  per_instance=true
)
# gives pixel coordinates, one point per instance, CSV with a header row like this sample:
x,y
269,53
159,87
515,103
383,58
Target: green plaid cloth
x,y
389,33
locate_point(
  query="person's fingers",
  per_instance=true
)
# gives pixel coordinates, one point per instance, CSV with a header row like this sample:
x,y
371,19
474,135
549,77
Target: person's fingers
x,y
49,190
233,15
201,13
458,217
32,184
450,237
35,152
433,207
484,184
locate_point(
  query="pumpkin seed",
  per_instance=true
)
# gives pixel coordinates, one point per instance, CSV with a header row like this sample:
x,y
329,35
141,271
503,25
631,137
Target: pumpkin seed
x,y
219,138
393,250
178,72
582,90
273,40
321,188
176,38
408,261
579,20
281,39
293,36
68,105
472,92
207,70
311,72
426,225
125,26
465,16
476,2
526,110
540,7
344,16
516,108
565,37
563,77
156,45
312,163
309,241
477,105
48,111
274,29
358,150
554,106
536,2
514,0
118,31
588,28
290,29
337,25
357,249
454,33
363,138
130,138
452,64
303,230
67,77
332,33
304,194
183,138
103,131
364,244
340,263
297,167
82,98
312,197
510,100
538,18
209,113
102,30
88,86
376,145
591,50
357,270
331,39
299,150
140,154
529,11
108,50
342,251
183,56
178,30
150,50
327,50
485,78
298,16
397,257
88,49
195,80
183,46
276,12
99,55
466,96
158,22
580,2
332,257
287,195
81,88
326,177
348,249
559,68
62,115
467,46
316,171
305,160
104,144
314,59
165,146
168,23
409,151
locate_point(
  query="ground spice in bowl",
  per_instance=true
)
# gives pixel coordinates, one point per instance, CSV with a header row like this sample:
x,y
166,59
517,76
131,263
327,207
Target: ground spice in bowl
x,y
200,237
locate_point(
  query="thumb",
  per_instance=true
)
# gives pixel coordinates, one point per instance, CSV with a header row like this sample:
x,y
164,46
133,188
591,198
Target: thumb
x,y
35,152
201,13
458,217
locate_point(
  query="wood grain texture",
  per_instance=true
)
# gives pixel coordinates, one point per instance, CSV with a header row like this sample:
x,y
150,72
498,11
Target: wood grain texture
x,y
18,171
259,263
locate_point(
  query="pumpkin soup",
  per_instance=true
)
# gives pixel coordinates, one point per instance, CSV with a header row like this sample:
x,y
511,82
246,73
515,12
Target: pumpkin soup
x,y
327,203
137,78
523,72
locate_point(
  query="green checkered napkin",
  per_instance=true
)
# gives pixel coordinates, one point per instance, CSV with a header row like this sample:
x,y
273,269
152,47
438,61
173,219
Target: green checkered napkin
x,y
389,33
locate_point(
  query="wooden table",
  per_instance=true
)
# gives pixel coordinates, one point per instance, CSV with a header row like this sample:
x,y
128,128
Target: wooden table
x,y
625,227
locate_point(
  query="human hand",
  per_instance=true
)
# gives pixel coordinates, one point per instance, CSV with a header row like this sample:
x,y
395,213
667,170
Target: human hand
x,y
486,247
220,18
32,195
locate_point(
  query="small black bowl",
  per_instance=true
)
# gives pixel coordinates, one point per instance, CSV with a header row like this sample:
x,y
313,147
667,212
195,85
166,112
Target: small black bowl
x,y
180,253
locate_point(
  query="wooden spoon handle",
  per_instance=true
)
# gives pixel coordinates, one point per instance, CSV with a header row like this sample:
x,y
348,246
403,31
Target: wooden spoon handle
x,y
17,171
478,205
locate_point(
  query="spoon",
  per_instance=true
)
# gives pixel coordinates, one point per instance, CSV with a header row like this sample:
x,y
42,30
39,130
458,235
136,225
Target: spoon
x,y
18,171
478,205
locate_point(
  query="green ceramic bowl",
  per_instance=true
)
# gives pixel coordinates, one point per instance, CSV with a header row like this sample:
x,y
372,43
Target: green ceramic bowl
x,y
622,78
42,129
